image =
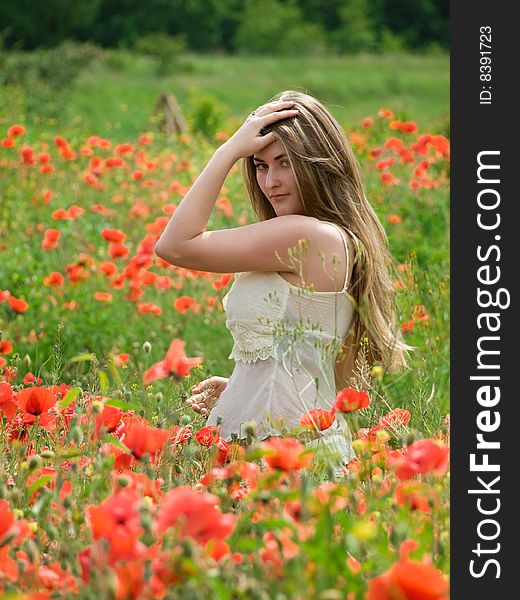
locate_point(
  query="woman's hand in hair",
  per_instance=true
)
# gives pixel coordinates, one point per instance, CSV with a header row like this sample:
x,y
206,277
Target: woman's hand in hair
x,y
206,393
249,139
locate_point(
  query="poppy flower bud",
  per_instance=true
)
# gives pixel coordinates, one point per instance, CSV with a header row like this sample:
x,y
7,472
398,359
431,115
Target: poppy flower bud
x,y
147,347
76,435
34,462
410,438
250,429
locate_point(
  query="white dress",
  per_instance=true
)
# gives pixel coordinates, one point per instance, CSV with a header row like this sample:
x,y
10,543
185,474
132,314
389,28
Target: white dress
x,y
286,339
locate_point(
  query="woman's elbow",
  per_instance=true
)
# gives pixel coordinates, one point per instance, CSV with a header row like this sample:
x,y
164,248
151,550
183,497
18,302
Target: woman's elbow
x,y
160,251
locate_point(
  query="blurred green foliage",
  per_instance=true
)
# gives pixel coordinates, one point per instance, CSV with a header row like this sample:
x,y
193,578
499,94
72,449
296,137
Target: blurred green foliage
x,y
266,26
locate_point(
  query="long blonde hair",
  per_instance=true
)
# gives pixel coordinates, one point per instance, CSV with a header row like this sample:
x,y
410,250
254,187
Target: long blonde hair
x,y
329,182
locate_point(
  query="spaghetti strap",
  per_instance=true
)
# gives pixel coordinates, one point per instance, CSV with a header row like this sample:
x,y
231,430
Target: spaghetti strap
x,y
347,264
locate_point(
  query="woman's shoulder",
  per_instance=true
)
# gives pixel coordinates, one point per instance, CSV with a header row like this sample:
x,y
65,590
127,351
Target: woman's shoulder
x,y
330,231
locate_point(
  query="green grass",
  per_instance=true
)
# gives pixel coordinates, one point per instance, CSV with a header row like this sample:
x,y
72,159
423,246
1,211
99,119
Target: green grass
x,y
120,102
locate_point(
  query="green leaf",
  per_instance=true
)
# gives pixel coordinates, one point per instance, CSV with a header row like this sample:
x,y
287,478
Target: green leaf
x,y
103,380
71,454
72,394
122,404
84,356
39,483
117,443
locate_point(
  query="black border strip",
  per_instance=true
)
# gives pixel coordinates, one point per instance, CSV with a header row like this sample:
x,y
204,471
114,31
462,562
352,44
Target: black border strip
x,y
489,133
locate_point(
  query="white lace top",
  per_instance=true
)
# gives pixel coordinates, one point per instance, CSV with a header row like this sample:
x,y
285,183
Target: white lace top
x,y
286,339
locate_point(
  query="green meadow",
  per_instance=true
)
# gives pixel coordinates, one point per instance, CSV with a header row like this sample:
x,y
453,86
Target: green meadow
x,y
73,311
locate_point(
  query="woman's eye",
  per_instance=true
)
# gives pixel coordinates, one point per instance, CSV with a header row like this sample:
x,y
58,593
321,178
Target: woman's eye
x,y
284,163
259,166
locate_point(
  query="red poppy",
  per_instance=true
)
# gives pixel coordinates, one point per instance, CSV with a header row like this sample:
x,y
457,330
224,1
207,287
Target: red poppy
x,y
51,238
407,326
441,144
27,155
395,219
142,439
35,401
54,278
31,378
113,235
9,527
406,156
415,495
409,580
423,456
116,250
107,268
183,303
318,418
15,130
60,142
408,127
349,400
124,149
278,549
209,435
17,304
367,122
389,179
175,364
59,214
385,113
5,347
287,454
103,296
109,418
194,514
393,143
7,404
121,359
150,308
383,164
420,313
91,179
179,435
113,162
75,211
117,521
397,417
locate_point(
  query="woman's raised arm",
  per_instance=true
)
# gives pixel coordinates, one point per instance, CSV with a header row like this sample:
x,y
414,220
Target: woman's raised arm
x,y
191,216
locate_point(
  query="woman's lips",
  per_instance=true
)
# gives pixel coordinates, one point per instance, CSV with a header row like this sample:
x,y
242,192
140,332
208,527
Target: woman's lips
x,y
279,196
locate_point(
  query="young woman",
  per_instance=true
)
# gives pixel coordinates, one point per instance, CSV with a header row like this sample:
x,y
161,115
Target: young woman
x,y
311,276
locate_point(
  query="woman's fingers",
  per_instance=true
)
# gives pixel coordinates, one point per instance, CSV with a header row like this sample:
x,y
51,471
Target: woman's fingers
x,y
277,115
276,105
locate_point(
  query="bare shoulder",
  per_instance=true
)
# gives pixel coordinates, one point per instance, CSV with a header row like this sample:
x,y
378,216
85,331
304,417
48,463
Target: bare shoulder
x,y
325,262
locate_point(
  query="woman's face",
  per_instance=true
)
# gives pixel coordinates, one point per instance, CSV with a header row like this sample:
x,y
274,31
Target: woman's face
x,y
276,180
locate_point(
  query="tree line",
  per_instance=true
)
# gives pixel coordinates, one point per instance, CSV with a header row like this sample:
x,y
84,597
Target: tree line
x,y
231,26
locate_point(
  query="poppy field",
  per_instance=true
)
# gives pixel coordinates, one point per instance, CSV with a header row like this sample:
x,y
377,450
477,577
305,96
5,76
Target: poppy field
x,y
110,485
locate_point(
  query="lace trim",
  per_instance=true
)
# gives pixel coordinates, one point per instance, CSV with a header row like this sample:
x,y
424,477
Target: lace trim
x,y
251,356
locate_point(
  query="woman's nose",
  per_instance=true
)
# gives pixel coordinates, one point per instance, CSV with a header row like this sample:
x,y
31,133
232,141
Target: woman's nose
x,y
272,179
